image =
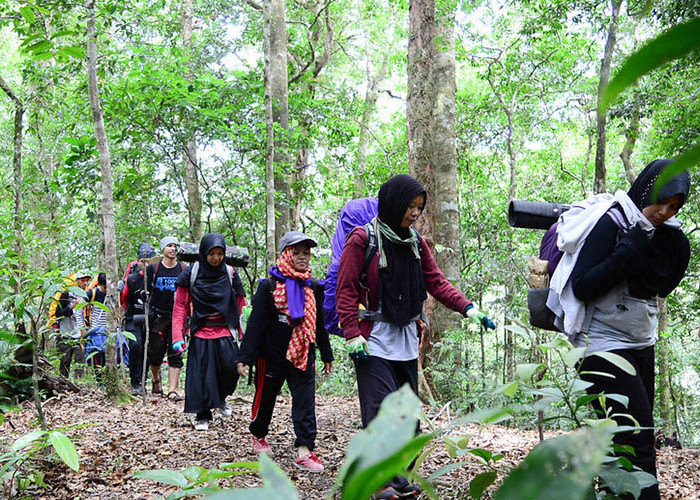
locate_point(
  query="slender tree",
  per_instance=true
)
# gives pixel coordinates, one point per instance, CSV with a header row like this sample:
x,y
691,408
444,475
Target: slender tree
x,y
604,78
109,260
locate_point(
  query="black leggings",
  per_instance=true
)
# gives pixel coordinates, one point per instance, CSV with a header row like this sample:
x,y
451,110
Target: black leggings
x,y
639,388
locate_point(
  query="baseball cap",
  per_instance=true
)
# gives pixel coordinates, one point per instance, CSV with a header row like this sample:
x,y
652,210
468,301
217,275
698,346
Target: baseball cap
x,y
292,238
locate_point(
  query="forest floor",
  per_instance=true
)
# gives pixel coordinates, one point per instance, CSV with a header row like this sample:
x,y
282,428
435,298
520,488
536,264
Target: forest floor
x,y
119,440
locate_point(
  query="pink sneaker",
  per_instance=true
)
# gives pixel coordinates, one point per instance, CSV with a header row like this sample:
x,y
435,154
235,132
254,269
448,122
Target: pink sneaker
x,y
261,445
309,462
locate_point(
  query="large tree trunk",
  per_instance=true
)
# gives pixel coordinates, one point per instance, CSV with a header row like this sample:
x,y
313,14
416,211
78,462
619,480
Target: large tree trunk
x,y
431,143
419,120
601,121
194,198
113,383
276,75
663,350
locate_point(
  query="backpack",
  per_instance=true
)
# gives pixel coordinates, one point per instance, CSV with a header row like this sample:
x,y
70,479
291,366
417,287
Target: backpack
x,y
542,270
354,213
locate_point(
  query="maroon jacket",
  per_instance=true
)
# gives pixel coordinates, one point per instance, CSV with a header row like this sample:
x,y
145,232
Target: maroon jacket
x,y
349,295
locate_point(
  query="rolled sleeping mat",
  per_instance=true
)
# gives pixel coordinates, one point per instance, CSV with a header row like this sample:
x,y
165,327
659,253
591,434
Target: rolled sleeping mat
x,y
235,256
534,214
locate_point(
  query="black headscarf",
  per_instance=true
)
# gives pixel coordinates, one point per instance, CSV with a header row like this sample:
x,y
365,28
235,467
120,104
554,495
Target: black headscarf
x,y
212,292
402,288
666,258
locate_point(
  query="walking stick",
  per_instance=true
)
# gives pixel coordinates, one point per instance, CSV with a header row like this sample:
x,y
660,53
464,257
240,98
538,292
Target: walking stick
x,y
144,367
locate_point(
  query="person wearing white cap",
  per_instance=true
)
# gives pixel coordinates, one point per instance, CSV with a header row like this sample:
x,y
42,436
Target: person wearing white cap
x,y
161,278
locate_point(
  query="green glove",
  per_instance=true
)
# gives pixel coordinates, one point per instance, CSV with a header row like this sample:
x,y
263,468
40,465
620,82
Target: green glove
x,y
357,348
479,317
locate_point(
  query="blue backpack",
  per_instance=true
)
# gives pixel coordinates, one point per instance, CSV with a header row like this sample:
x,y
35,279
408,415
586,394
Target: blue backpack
x,y
354,213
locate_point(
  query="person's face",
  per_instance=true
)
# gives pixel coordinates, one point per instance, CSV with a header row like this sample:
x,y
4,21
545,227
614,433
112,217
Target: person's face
x,y
170,251
660,212
84,282
415,208
301,255
143,264
215,256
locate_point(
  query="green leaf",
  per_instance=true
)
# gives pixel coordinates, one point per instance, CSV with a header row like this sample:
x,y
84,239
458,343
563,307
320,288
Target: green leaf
x,y
478,485
562,464
366,481
444,470
26,440
72,51
572,357
27,14
525,371
672,44
455,444
172,477
508,389
40,46
621,481
688,159
275,480
483,454
65,449
618,361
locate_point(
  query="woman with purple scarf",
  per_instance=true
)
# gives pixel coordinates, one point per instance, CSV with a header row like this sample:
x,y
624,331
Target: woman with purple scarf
x,y
284,328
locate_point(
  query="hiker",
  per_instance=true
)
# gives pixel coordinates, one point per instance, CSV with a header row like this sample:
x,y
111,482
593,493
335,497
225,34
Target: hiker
x,y
619,275
161,278
96,323
379,317
283,330
71,324
216,295
134,316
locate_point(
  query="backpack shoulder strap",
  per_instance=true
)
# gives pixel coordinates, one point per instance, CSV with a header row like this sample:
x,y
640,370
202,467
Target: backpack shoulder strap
x,y
155,275
230,274
182,266
193,273
369,251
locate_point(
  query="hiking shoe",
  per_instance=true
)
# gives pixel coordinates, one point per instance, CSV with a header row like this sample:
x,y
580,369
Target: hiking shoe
x,y
225,410
136,390
201,425
387,493
261,445
309,462
410,491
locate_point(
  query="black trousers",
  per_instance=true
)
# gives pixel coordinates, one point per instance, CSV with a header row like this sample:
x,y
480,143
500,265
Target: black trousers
x,y
639,389
376,379
69,349
269,378
135,353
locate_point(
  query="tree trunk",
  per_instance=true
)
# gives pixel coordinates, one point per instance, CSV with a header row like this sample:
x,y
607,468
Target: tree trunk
x,y
114,388
631,134
601,121
276,74
419,121
17,168
194,198
371,96
431,143
663,350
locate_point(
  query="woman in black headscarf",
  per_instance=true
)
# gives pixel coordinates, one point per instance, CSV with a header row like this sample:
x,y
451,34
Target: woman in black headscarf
x,y
619,274
379,312
216,294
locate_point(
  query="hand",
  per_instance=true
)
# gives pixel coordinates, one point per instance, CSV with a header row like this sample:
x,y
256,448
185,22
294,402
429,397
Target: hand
x,y
357,348
179,346
328,368
242,370
479,317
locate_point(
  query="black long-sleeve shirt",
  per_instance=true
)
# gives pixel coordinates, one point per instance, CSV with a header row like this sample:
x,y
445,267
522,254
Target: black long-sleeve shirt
x,y
603,263
269,337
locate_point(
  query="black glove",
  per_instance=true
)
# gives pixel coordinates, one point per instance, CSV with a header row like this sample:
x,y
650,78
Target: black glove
x,y
634,246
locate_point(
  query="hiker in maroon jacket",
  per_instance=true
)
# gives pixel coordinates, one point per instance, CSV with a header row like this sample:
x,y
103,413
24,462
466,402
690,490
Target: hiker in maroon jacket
x,y
379,317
